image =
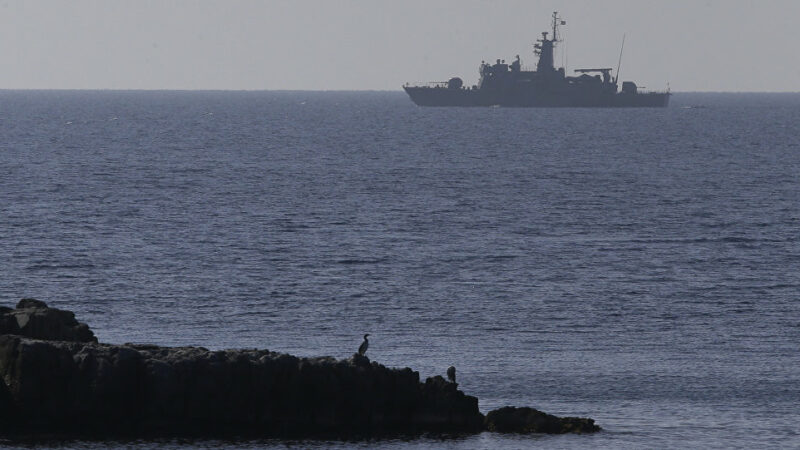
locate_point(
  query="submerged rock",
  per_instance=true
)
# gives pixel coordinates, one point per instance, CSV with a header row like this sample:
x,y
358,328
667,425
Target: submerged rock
x,y
528,420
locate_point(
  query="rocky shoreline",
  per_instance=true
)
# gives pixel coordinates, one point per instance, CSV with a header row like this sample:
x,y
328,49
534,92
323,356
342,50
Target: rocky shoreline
x,y
58,379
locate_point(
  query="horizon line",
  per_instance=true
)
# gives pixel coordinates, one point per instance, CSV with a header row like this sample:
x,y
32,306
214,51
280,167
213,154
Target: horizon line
x,y
317,90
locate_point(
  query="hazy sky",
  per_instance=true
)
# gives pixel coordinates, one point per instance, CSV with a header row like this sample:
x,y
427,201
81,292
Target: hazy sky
x,y
694,45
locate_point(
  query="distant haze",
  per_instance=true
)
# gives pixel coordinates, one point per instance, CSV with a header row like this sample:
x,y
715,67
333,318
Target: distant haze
x,y
694,45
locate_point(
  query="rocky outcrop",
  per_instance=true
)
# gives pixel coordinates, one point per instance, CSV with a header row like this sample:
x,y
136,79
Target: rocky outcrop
x,y
92,387
32,318
57,378
528,420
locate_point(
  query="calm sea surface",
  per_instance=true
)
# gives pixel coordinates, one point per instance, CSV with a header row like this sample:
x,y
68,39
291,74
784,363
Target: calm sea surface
x,y
637,266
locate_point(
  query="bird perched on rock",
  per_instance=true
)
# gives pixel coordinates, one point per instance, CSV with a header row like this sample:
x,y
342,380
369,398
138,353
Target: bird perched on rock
x,y
362,349
451,374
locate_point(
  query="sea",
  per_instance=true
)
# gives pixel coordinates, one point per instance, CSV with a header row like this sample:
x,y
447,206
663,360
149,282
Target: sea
x,y
637,266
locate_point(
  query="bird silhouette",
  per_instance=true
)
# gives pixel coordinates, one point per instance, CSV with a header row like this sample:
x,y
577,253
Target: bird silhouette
x,y
451,374
362,349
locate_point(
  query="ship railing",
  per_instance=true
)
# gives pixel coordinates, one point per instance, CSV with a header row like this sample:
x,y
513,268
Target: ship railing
x,y
650,92
428,84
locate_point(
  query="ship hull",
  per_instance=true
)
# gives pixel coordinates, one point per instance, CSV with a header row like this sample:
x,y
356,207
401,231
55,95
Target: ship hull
x,y
434,96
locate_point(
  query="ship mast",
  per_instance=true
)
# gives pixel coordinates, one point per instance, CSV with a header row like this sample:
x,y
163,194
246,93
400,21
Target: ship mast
x,y
544,47
556,22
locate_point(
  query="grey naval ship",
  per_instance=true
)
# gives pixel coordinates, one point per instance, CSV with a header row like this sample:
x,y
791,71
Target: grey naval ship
x,y
504,84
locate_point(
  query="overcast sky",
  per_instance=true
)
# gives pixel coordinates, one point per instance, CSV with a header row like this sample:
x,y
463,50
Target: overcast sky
x,y
694,45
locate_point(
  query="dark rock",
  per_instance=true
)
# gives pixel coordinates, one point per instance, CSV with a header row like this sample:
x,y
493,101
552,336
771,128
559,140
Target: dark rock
x,y
90,387
528,420
34,319
444,404
7,413
26,303
359,360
